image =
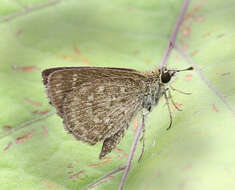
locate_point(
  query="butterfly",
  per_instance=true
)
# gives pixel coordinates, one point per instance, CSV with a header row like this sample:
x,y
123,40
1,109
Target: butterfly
x,y
97,104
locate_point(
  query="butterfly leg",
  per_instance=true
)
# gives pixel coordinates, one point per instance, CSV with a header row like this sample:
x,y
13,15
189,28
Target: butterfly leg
x,y
169,109
143,144
180,91
172,101
143,133
111,142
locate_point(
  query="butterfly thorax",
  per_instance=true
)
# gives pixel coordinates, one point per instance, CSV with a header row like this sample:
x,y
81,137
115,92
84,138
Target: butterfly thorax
x,y
154,90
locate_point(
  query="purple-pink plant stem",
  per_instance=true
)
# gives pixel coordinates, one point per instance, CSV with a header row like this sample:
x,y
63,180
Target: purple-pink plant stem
x,y
171,43
29,9
95,183
203,77
133,148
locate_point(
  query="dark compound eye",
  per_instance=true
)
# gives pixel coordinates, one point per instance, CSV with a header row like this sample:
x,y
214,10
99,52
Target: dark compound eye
x,y
165,76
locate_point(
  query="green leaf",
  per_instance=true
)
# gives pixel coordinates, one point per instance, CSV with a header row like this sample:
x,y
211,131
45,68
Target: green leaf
x,y
197,153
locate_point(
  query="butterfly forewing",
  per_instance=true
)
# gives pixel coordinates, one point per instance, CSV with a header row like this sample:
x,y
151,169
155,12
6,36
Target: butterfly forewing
x,y
96,104
60,81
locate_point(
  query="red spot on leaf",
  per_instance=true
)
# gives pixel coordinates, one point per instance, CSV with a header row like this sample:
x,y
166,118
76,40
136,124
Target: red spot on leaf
x,y
193,53
185,46
135,124
76,50
220,35
191,14
45,131
6,127
40,112
136,52
121,151
196,9
25,69
33,102
7,147
206,35
187,16
102,162
200,19
85,61
188,77
177,58
187,167
25,137
215,108
186,32
158,174
181,184
119,157
76,175
19,32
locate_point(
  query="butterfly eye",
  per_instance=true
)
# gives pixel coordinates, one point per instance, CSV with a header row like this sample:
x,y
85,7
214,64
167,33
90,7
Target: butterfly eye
x,y
165,76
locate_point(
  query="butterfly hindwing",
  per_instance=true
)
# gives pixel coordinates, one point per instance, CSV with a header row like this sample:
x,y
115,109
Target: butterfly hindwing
x,y
99,109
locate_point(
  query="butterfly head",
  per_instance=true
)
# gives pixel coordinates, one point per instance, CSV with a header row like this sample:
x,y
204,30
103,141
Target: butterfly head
x,y
165,74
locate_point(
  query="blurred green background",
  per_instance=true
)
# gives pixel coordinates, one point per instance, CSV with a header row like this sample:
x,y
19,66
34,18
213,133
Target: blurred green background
x,y
197,153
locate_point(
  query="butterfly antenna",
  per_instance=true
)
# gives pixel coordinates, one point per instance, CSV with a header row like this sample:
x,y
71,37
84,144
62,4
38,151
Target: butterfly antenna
x,y
179,70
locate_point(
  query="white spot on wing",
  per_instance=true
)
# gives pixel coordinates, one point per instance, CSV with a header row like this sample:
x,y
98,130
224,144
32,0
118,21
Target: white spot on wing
x,y
107,120
100,88
100,136
58,91
122,89
96,120
75,76
91,97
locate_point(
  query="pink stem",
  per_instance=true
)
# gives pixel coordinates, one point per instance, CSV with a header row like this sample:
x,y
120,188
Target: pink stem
x,y
131,155
203,77
171,43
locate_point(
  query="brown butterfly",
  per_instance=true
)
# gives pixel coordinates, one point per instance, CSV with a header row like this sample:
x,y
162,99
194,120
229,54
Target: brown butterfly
x,y
98,103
